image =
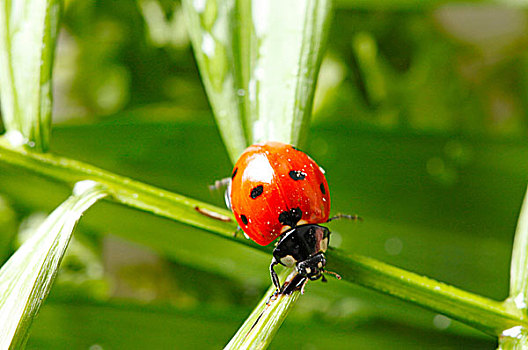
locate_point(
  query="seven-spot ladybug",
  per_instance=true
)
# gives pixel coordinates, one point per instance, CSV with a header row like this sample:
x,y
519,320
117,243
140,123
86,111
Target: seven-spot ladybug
x,y
277,190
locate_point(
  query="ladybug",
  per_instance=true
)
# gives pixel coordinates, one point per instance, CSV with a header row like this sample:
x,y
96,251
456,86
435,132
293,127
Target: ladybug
x,y
276,190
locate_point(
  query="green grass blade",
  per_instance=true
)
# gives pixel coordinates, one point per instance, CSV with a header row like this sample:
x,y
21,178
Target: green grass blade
x,y
259,62
208,26
489,316
516,338
26,278
260,327
124,190
519,263
289,37
28,32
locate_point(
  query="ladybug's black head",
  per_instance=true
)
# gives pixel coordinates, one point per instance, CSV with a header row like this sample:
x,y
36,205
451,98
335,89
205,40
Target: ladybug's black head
x,y
302,247
312,268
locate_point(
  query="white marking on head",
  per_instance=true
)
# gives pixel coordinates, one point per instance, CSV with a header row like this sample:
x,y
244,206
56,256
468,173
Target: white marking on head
x,y
302,222
324,244
319,264
308,270
288,261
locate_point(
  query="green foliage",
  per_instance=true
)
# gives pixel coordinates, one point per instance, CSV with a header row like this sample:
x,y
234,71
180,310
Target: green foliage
x,y
262,324
418,122
27,277
28,32
259,62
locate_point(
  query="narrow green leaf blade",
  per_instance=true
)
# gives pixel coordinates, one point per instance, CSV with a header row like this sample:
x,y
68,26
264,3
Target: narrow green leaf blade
x,y
262,324
489,316
519,262
28,33
26,278
259,62
208,26
289,39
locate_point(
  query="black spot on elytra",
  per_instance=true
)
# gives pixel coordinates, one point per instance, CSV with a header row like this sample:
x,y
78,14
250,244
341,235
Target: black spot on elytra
x,y
234,173
290,218
297,175
321,186
244,219
256,191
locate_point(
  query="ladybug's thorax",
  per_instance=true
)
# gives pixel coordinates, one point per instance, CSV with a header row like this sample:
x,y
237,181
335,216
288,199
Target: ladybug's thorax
x,y
303,247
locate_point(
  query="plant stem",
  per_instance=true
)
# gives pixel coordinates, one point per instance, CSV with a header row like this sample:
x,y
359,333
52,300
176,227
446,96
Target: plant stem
x,y
487,315
122,189
260,327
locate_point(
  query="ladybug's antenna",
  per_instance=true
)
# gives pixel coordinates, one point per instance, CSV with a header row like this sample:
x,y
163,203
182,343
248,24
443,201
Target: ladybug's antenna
x,y
345,216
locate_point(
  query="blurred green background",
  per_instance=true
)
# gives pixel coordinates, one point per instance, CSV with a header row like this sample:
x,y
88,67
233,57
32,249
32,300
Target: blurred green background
x,y
420,123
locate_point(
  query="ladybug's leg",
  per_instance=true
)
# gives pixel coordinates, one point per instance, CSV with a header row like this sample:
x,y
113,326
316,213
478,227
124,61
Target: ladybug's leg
x,y
212,214
297,282
336,275
274,277
302,288
227,194
344,216
223,184
220,184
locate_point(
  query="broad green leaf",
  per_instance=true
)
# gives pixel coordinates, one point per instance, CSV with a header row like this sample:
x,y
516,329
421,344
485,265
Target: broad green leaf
x,y
28,32
26,278
259,62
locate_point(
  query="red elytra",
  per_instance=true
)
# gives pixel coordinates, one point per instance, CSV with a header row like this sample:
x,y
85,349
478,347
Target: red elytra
x,y
275,187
